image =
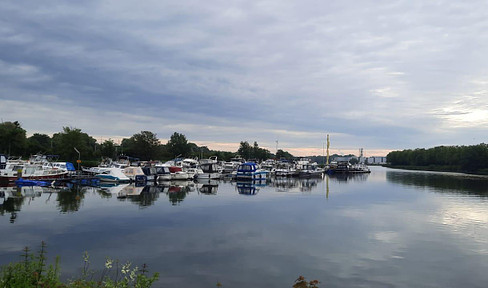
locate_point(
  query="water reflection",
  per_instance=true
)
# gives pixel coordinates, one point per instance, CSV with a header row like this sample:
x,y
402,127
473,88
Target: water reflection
x,y
69,201
297,185
207,186
249,187
342,177
441,182
178,190
10,202
112,190
143,196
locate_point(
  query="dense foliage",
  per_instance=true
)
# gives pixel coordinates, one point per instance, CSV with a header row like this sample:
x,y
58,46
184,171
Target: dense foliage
x,y
471,159
253,152
72,143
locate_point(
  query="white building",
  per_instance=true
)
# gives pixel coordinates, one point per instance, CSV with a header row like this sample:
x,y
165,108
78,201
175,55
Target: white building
x,y
376,160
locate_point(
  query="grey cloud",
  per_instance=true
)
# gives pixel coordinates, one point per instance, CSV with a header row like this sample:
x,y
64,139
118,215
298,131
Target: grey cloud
x,y
381,71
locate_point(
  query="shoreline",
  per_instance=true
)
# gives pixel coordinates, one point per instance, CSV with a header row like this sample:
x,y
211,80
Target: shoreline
x,y
433,168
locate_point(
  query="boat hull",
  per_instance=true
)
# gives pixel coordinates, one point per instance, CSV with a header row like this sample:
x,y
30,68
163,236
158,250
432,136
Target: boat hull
x,y
37,177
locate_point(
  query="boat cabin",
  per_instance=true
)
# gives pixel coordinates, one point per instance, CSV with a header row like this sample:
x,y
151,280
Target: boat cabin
x,y
3,161
247,167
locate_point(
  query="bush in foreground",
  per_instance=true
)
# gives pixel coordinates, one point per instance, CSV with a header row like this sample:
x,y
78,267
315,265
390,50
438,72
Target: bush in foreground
x,y
32,271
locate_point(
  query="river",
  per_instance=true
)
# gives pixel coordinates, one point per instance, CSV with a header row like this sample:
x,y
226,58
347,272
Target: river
x,y
390,228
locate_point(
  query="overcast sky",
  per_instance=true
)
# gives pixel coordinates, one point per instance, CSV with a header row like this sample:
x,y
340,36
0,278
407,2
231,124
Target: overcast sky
x,y
378,75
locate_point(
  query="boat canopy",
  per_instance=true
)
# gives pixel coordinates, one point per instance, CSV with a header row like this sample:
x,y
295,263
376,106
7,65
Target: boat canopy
x,y
70,166
247,167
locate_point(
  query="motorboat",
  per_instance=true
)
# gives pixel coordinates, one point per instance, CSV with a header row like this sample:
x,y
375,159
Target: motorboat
x,y
344,167
111,174
310,170
284,169
250,171
163,173
151,173
209,171
135,174
30,171
177,173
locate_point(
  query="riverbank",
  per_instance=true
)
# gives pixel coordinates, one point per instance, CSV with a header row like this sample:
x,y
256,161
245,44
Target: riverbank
x,y
438,168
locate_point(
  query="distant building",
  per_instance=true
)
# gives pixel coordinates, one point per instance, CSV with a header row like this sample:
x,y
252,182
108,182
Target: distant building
x,y
376,160
344,158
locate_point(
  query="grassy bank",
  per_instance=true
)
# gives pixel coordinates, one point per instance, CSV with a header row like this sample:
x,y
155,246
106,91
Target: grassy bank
x,y
33,270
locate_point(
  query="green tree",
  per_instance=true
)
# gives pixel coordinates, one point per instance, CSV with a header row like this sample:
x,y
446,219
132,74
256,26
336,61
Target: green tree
x,y
253,152
13,140
144,145
245,150
39,143
108,149
178,145
65,142
280,154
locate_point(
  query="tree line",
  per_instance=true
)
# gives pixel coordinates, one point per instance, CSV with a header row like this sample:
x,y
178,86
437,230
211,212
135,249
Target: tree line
x,y
72,144
471,159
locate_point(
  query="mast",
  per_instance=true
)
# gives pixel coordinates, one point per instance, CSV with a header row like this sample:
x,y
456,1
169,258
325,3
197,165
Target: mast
x,y
328,145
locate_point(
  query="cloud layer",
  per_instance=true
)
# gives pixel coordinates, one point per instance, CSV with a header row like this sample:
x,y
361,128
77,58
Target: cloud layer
x,y
378,75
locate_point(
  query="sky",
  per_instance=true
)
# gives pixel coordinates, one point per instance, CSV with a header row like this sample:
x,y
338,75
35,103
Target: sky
x,y
378,75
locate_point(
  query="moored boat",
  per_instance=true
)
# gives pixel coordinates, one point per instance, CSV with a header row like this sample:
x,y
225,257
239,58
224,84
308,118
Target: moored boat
x,y
112,174
250,171
208,171
30,171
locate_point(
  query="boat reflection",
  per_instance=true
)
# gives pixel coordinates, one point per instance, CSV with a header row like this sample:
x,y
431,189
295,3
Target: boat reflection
x,y
109,190
178,190
351,177
297,185
249,187
207,186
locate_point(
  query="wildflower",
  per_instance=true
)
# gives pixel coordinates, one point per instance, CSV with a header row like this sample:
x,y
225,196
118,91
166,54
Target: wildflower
x,y
108,263
133,273
86,256
125,268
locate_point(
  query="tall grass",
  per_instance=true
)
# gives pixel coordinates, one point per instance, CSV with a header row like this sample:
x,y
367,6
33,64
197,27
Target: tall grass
x,y
32,271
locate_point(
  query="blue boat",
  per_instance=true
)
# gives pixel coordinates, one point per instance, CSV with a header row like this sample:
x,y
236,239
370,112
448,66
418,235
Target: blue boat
x,y
250,171
25,182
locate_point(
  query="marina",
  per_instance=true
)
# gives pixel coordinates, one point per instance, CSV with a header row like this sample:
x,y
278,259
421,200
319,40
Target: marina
x,y
342,229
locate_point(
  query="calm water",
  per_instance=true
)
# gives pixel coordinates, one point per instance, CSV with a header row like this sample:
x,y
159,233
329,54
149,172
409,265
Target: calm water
x,y
391,228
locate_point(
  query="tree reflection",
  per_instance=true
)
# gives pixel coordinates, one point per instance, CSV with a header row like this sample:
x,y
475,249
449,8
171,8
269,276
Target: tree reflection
x,y
147,196
70,200
442,182
177,191
351,177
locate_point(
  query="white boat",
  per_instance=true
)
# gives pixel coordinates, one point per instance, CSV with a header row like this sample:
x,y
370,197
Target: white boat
x,y
111,174
177,173
284,169
163,173
30,171
310,170
182,169
209,171
66,166
135,174
231,166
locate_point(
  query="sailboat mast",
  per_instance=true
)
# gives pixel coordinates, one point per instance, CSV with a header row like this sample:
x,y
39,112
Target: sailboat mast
x,y
328,145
